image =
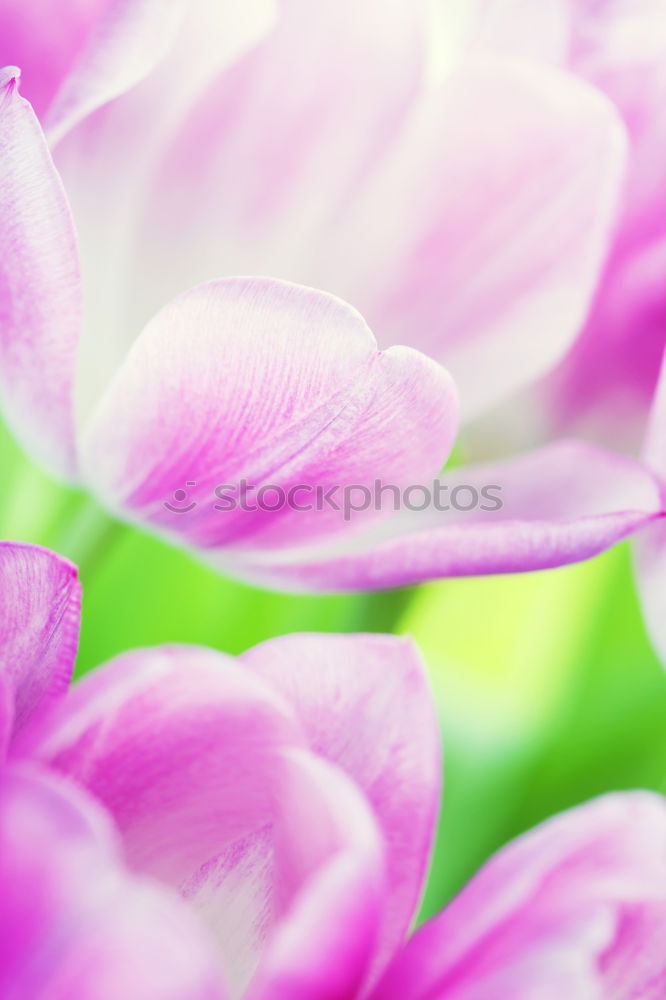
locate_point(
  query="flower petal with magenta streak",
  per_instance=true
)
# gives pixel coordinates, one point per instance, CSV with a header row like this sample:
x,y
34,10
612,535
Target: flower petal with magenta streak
x,y
269,383
558,505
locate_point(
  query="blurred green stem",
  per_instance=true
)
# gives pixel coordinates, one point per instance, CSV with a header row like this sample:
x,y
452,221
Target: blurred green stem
x,y
86,536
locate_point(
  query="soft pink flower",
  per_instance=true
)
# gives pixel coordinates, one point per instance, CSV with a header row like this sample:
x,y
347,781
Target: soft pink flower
x,y
248,160
290,796
609,384
610,376
605,385
467,217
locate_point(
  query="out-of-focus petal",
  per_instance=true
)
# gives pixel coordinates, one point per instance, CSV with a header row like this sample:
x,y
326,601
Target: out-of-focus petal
x,y
290,129
43,37
40,293
179,57
514,27
40,604
329,874
620,46
607,381
650,544
502,193
557,913
364,703
605,384
260,381
558,505
73,922
472,265
79,55
125,43
367,183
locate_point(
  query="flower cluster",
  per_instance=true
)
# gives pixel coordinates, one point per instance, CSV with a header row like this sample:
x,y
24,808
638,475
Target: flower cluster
x,y
316,247
394,207
182,824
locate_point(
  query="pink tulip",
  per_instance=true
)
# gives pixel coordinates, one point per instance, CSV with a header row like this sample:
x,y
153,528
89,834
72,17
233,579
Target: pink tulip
x,y
605,385
250,161
290,797
610,383
610,377
75,924
323,155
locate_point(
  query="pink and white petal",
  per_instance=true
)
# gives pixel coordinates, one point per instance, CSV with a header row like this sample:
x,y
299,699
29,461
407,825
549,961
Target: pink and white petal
x,y
263,382
126,41
608,379
649,551
556,911
40,609
620,47
73,921
179,57
129,41
558,505
364,704
43,37
329,881
308,120
654,443
650,544
77,55
291,130
184,748
179,744
40,293
490,271
233,892
304,888
436,252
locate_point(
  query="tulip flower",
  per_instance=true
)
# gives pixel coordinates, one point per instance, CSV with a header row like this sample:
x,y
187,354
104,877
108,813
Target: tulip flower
x,y
269,383
467,241
606,383
610,382
74,922
289,797
611,375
